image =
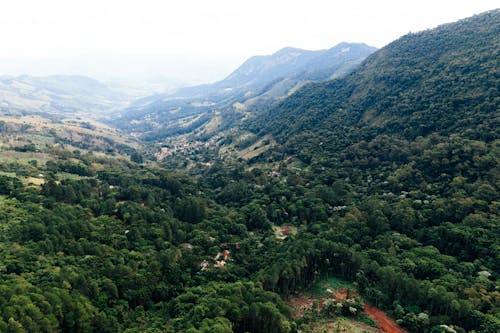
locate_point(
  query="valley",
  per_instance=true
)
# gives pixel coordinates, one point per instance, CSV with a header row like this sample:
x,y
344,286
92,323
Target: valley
x,y
342,190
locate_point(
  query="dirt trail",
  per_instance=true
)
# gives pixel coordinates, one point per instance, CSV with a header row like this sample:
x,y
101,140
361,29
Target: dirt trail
x,y
387,324
304,302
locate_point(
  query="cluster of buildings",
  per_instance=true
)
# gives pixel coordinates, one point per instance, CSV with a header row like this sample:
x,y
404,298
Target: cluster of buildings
x,y
219,261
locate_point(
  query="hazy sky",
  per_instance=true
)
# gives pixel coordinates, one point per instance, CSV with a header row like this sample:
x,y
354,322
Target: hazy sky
x,y
217,34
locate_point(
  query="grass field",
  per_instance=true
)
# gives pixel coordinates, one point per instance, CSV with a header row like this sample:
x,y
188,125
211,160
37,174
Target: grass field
x,y
24,157
343,325
259,147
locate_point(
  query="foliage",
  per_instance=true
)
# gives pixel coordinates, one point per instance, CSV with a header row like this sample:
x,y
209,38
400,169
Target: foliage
x,y
389,177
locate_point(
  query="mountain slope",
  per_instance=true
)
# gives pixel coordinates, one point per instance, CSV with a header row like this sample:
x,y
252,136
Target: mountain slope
x,y
57,93
444,80
412,135
260,78
292,62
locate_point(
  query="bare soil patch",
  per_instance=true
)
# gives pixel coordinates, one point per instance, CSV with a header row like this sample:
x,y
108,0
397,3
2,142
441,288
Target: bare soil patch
x,y
387,324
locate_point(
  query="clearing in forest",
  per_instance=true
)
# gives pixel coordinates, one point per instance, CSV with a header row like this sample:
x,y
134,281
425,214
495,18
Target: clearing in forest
x,y
282,232
308,307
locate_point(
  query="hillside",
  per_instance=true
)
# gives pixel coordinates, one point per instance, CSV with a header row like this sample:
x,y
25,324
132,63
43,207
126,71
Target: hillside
x,y
57,94
369,203
260,80
292,62
415,126
442,81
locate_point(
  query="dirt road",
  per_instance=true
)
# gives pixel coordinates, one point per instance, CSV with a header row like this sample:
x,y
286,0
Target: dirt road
x,y
385,323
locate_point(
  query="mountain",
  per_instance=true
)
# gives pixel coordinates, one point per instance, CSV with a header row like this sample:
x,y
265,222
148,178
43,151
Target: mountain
x,y
261,79
443,81
376,192
56,94
295,63
413,136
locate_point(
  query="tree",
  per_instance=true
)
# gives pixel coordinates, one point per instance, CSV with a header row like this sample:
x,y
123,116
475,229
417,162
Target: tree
x,y
136,157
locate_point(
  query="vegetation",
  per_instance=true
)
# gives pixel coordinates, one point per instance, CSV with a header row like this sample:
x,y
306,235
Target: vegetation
x,y
256,84
439,81
395,193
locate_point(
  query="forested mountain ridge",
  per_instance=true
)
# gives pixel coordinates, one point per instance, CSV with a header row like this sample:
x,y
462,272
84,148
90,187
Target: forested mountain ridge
x,y
261,79
417,122
443,80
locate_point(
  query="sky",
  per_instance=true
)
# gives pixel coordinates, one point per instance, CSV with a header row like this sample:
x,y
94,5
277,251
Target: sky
x,y
198,40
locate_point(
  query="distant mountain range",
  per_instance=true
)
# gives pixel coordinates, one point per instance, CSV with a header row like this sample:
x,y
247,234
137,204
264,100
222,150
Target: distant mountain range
x,y
58,93
287,64
261,79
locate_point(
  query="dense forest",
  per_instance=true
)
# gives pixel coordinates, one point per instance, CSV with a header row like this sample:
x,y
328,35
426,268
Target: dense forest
x,y
442,81
123,248
388,178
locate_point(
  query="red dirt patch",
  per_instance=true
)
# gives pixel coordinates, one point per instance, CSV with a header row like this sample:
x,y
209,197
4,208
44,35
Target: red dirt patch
x,y
387,324
303,302
300,305
344,293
